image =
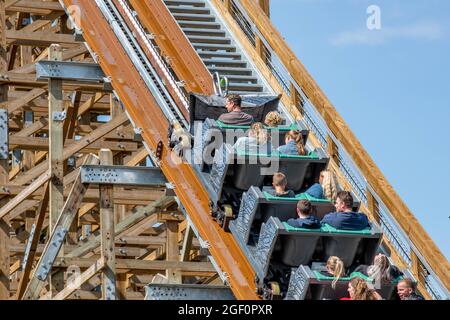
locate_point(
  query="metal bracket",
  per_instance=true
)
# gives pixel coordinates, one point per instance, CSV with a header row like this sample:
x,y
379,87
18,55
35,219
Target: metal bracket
x,y
138,135
185,291
170,186
69,70
181,83
4,146
48,259
59,116
79,35
123,175
107,84
28,247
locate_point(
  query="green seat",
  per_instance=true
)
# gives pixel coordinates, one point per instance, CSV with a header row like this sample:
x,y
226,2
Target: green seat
x,y
225,126
331,229
322,277
328,229
290,228
275,154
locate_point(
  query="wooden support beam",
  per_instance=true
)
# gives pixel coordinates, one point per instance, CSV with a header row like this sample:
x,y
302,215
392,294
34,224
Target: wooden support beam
x,y
4,167
99,265
187,243
38,38
33,128
56,141
332,149
172,251
265,6
63,223
25,80
14,5
89,103
138,215
142,265
43,144
228,5
13,50
24,194
373,206
129,197
40,216
69,128
23,100
56,146
107,233
74,148
296,99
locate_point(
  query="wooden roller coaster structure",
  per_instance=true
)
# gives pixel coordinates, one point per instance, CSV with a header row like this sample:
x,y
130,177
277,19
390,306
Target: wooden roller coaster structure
x,y
56,118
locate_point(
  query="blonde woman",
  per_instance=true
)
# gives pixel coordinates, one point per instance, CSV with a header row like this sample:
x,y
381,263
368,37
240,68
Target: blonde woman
x,y
258,140
335,269
326,188
294,144
381,270
358,289
273,119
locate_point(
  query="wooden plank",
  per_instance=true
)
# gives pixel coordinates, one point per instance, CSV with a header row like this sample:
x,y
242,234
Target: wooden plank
x,y
70,124
184,60
32,4
172,251
23,100
85,276
43,144
21,208
40,216
38,38
74,148
141,213
142,265
24,194
332,150
13,50
107,232
89,103
265,6
41,123
187,243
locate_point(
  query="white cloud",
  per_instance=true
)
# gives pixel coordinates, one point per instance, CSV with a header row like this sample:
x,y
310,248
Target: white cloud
x,y
419,31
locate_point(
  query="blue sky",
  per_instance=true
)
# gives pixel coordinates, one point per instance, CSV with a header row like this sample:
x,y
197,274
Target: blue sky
x,y
392,86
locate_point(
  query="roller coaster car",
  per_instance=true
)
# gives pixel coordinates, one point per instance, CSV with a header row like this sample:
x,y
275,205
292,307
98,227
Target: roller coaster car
x,y
307,284
257,206
212,107
225,173
217,130
281,247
